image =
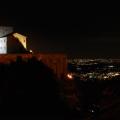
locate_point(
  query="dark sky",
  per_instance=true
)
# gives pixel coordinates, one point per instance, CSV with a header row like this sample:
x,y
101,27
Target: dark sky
x,y
78,34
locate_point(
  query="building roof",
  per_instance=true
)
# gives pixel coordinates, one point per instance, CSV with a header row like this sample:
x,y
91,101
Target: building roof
x,y
4,31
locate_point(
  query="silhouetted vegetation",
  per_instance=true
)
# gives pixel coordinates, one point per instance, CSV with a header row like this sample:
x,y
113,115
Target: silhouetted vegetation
x,y
29,88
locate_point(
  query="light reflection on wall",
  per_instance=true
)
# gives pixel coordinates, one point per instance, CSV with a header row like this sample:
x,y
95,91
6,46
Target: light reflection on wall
x,y
21,38
3,45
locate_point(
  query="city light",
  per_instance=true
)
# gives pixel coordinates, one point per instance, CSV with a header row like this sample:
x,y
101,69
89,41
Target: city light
x,y
31,51
69,76
86,69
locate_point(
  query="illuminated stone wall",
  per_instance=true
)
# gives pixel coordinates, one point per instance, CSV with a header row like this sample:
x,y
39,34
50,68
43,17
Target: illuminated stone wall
x,y
3,45
14,45
21,39
4,31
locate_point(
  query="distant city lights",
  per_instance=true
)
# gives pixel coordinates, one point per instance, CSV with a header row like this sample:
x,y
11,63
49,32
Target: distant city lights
x,y
91,69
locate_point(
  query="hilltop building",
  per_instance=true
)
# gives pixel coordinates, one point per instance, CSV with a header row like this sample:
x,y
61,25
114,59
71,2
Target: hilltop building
x,y
11,42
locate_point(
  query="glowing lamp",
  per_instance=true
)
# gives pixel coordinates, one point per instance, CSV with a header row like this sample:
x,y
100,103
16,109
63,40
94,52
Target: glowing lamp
x,y
69,76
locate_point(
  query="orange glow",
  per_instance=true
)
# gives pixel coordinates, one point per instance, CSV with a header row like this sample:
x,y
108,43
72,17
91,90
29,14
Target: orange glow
x,y
69,76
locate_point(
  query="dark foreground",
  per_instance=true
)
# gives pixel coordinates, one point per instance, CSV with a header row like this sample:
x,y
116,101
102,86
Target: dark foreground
x,y
31,89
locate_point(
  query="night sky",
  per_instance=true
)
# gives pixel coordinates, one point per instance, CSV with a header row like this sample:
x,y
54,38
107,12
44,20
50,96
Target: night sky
x,y
78,34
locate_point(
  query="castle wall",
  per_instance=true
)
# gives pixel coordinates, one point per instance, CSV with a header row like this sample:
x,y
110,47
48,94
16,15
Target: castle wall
x,y
14,46
3,45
